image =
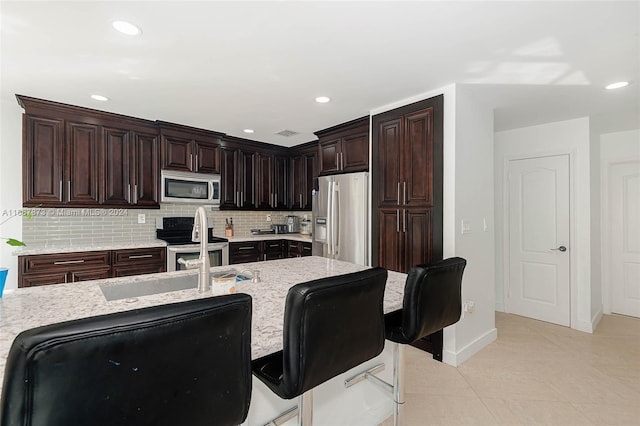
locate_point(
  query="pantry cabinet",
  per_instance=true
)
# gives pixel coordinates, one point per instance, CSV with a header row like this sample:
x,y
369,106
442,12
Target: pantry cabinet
x,y
407,144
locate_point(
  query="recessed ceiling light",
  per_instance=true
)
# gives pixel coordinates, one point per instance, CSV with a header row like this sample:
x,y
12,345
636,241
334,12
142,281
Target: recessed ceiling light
x,y
617,85
99,98
126,28
248,130
322,99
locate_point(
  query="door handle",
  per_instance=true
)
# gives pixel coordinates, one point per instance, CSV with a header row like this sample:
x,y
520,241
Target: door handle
x,y
398,192
561,248
398,221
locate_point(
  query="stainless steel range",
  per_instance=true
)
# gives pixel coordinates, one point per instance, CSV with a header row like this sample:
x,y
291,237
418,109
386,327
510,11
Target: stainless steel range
x,y
176,231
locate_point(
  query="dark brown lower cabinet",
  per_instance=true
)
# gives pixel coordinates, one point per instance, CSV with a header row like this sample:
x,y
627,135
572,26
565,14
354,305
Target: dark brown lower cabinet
x,y
245,251
298,248
60,268
405,238
255,251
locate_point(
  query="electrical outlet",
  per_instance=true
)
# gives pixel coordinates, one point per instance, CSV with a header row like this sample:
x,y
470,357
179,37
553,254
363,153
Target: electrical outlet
x,y
268,218
142,218
468,306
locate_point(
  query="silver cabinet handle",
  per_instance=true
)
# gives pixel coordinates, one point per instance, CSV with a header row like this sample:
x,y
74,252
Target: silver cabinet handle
x,y
191,162
129,198
404,193
236,200
404,220
275,200
135,194
342,158
140,256
337,161
68,262
68,190
241,199
246,248
397,220
60,190
196,166
300,200
398,191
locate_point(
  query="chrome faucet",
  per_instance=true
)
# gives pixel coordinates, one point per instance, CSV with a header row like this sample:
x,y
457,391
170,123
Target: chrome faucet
x,y
200,234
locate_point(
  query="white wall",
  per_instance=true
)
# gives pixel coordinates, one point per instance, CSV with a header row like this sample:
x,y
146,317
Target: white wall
x,y
615,148
566,137
467,194
10,183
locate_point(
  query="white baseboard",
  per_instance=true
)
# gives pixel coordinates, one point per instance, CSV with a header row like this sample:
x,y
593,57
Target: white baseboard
x,y
457,358
588,326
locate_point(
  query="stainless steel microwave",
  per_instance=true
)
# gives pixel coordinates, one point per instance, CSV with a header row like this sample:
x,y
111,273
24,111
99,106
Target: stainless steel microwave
x,y
194,188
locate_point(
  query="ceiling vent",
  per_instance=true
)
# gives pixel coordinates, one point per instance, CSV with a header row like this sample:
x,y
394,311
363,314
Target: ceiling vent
x,y
287,133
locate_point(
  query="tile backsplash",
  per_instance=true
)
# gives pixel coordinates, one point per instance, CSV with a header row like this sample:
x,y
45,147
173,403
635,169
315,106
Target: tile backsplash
x,y
88,226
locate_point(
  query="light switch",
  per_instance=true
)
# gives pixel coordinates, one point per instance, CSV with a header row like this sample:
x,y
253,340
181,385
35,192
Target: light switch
x,y
465,226
141,218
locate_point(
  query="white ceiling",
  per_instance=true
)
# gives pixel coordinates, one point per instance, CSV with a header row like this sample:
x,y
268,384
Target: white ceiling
x,y
227,66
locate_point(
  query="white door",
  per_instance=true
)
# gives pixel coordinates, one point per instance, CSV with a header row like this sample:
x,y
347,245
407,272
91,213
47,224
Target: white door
x,y
539,225
624,225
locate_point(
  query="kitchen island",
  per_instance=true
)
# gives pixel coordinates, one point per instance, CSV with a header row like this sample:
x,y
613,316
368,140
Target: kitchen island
x,y
363,404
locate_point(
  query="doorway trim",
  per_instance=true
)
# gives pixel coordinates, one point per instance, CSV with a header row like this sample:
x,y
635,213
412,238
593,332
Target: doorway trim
x,y
573,281
605,229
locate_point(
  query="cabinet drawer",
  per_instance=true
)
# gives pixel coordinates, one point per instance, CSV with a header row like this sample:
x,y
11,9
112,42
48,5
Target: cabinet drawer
x,y
146,256
127,271
64,261
245,247
306,249
273,246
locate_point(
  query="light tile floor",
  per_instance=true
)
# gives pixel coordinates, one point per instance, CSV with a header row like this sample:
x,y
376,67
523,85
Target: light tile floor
x,y
534,373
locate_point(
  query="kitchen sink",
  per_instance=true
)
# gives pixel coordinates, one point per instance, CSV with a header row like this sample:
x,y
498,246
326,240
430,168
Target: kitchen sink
x,y
145,288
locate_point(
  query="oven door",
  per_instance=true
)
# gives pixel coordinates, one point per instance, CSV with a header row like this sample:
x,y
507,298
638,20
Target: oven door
x,y
218,255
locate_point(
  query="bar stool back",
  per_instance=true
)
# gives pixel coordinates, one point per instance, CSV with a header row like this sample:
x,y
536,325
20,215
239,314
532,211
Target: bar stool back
x,y
432,301
330,326
185,363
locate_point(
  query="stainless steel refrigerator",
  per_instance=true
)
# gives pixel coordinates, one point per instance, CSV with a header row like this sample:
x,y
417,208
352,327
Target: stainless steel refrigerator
x,y
341,217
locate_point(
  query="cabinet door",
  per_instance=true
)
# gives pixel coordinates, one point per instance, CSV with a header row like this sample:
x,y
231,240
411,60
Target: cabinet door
x,y
34,280
328,156
88,275
42,161
207,157
389,145
243,252
418,159
390,242
279,179
81,164
306,249
264,182
145,171
246,179
228,170
354,155
417,228
297,179
273,249
310,174
116,156
178,153
127,271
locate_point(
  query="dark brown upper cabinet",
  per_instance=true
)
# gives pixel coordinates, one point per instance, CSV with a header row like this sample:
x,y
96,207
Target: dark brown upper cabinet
x,y
303,167
79,157
131,174
188,149
254,175
344,148
407,185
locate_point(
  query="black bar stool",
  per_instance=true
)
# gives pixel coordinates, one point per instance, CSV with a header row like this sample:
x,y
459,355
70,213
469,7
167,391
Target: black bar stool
x,y
432,301
185,363
330,326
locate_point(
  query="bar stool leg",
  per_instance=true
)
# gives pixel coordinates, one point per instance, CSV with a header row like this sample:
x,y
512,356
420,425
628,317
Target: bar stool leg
x,y
305,411
398,383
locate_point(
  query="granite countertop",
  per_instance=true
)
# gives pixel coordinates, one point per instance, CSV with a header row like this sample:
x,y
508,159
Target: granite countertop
x,y
31,307
33,249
